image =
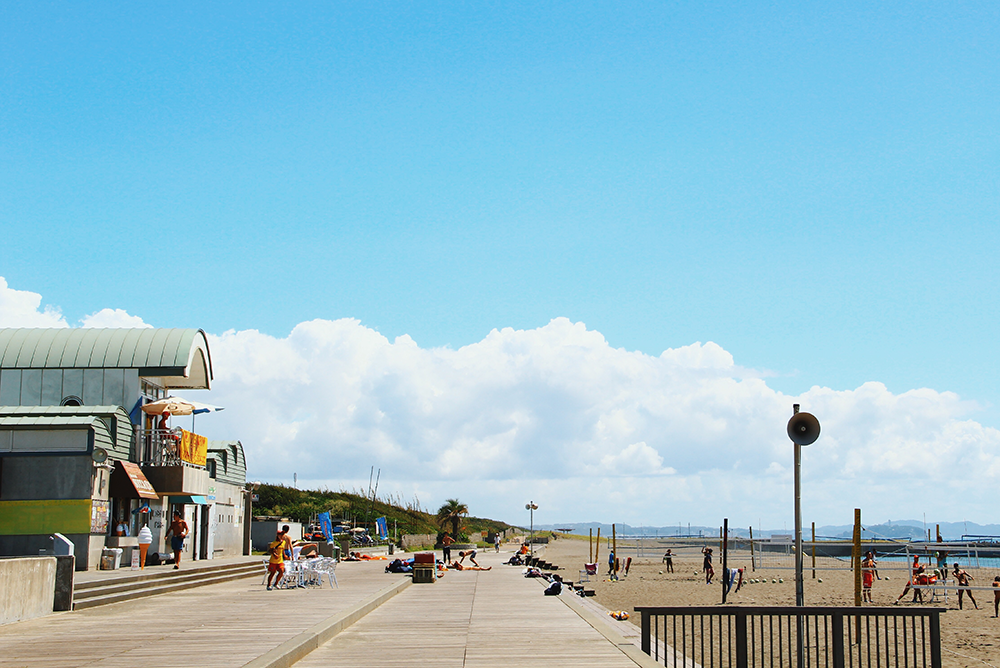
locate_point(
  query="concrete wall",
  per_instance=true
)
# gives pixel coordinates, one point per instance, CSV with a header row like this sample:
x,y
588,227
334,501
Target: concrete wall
x,y
27,587
416,541
263,532
46,477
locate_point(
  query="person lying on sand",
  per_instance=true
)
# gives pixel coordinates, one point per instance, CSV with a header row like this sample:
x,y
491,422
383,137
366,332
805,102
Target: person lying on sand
x,y
459,567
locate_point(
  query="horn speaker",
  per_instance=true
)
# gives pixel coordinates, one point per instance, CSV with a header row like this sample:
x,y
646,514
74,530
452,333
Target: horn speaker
x,y
803,428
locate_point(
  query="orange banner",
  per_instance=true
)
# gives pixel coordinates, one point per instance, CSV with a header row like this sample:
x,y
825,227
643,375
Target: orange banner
x,y
194,448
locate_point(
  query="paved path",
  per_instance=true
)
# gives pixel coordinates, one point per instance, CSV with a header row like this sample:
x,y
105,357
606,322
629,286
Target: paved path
x,y
466,619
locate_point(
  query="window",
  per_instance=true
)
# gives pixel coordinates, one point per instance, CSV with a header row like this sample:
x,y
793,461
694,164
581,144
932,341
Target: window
x,y
71,400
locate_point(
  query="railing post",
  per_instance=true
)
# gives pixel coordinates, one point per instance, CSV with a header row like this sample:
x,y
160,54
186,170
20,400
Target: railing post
x,y
646,645
935,639
837,638
741,640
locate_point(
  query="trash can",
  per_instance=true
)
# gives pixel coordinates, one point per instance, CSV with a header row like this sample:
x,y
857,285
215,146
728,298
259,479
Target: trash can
x,y
111,558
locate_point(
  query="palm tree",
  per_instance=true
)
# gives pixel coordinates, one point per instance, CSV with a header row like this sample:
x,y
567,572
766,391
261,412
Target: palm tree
x,y
451,513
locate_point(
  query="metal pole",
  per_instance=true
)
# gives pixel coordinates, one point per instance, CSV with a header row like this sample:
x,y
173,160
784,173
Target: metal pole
x,y
725,557
799,594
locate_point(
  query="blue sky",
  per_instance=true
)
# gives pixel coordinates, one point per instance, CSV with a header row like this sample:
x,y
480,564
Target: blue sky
x,y
814,189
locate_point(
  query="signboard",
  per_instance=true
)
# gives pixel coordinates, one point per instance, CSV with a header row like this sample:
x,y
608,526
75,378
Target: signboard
x,y
142,486
135,560
99,515
194,448
382,527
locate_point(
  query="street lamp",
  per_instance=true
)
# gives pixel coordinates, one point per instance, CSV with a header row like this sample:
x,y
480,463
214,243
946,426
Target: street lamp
x,y
531,508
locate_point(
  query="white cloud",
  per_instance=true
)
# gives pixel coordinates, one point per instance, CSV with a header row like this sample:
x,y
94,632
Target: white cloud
x,y
557,415
112,318
20,308
587,431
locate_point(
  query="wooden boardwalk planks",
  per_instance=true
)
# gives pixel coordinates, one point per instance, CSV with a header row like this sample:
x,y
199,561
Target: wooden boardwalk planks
x,y
470,619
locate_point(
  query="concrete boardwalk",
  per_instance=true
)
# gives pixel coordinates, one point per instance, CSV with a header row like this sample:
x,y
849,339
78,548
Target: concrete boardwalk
x,y
465,619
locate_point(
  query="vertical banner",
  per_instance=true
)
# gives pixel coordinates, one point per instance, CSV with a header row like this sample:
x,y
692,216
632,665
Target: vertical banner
x,y
325,525
194,448
382,527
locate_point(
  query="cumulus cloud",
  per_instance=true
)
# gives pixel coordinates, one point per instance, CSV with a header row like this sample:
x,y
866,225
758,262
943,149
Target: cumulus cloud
x,y
20,308
589,432
557,415
113,318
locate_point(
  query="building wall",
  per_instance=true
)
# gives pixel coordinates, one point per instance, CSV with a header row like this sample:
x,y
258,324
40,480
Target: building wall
x,y
48,387
42,495
227,519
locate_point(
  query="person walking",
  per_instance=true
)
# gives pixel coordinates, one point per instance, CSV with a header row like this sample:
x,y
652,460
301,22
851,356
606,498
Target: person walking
x,y
496,541
276,562
611,563
177,532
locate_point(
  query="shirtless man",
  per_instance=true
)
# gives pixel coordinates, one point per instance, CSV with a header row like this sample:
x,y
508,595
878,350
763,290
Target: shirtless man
x,y
962,580
996,596
178,531
471,554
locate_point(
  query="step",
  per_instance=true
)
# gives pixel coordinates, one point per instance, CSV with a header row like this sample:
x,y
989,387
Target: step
x,y
141,576
160,579
116,594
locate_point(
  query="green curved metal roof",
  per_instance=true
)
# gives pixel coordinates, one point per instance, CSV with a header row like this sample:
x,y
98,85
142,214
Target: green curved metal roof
x,y
180,355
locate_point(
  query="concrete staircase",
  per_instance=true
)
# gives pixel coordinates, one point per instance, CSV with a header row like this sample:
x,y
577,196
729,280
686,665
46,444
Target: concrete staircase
x,y
127,587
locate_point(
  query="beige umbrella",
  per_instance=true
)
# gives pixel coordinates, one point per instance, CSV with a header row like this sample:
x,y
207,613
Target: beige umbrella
x,y
178,406
172,405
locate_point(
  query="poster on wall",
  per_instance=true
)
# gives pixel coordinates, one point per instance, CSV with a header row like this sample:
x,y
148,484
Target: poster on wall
x,y
100,512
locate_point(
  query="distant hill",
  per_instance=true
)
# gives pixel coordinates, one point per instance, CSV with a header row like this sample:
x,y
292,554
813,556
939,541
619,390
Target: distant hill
x,y
898,530
301,505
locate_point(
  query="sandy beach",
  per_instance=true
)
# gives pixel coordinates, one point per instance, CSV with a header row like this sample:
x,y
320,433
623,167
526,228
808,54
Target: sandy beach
x,y
969,637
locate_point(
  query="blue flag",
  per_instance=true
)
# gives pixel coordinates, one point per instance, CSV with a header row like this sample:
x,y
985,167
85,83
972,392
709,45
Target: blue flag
x,y
382,527
325,525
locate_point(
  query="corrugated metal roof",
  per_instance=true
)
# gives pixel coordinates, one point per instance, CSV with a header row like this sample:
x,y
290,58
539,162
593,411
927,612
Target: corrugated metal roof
x,y
230,461
179,356
8,421
27,411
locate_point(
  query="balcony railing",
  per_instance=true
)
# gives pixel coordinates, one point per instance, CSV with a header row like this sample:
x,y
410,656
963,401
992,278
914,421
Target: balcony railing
x,y
744,637
160,447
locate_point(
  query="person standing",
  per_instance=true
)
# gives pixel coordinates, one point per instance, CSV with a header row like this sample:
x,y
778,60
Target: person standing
x,y
446,542
707,564
668,559
962,580
996,596
496,541
178,531
867,577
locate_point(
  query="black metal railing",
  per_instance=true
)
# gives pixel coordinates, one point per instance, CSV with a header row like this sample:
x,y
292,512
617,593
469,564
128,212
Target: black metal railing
x,y
159,447
806,637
